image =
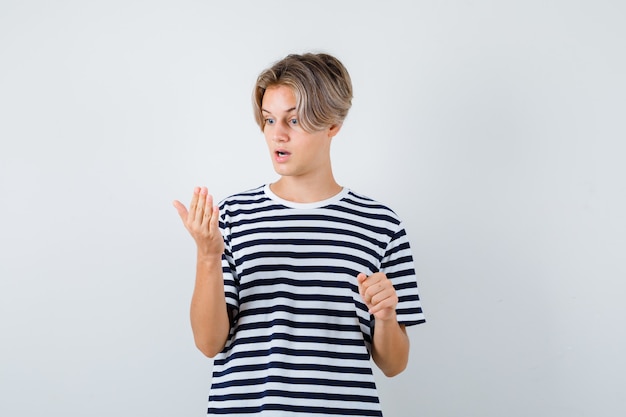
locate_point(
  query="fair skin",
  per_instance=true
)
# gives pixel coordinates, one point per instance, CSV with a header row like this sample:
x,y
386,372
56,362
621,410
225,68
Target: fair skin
x,y
209,315
302,159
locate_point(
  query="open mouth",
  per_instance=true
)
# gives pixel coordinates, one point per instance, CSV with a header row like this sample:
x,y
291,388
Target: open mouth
x,y
282,153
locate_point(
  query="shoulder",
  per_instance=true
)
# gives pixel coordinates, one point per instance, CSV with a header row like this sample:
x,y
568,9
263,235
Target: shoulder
x,y
251,196
370,207
246,204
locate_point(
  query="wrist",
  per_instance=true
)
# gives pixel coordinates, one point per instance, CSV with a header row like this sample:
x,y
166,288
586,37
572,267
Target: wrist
x,y
209,258
388,320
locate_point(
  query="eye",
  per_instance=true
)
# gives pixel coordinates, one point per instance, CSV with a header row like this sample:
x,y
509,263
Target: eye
x,y
269,121
293,121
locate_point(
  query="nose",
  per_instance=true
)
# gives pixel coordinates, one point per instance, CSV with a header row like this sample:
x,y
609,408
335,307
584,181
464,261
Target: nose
x,y
280,133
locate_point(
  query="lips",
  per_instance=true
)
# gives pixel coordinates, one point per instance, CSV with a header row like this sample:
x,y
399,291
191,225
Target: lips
x,y
281,155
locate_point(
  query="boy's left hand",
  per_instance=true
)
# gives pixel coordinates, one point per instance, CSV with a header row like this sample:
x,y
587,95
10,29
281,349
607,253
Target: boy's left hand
x,y
379,295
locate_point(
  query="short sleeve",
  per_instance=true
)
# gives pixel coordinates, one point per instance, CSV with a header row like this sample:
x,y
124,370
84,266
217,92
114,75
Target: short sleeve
x,y
398,266
229,271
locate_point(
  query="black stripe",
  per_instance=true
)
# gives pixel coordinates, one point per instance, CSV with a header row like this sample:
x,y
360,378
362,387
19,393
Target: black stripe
x,y
295,394
312,242
293,367
296,381
298,325
296,409
306,255
297,339
265,353
292,296
285,230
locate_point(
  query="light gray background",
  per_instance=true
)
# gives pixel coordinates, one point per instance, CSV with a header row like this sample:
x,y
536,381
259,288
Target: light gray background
x,y
494,128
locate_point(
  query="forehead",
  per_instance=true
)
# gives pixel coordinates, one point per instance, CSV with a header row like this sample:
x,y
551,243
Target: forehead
x,y
279,98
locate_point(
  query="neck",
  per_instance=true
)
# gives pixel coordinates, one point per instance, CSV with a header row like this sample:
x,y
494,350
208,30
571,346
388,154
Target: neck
x,y
300,190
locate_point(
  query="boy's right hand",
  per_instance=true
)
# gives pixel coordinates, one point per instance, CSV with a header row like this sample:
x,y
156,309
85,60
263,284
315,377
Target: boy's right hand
x,y
202,222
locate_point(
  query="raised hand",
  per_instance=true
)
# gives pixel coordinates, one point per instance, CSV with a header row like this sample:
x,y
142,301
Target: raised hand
x,y
202,222
379,295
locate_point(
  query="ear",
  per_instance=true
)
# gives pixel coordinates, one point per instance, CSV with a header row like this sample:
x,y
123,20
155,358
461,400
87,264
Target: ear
x,y
334,129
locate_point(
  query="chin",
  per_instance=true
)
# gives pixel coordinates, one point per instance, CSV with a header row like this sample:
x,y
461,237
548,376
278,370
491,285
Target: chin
x,y
282,171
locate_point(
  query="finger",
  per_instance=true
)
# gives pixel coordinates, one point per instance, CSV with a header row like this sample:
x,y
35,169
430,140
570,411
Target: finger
x,y
382,296
181,209
369,285
194,200
377,308
200,206
377,277
372,295
361,278
377,282
214,225
208,209
384,313
373,286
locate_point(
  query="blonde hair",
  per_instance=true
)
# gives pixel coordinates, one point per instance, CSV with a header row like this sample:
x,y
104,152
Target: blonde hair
x,y
321,84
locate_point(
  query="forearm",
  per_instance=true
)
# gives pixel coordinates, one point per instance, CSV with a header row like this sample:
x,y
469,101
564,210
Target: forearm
x,y
209,316
390,347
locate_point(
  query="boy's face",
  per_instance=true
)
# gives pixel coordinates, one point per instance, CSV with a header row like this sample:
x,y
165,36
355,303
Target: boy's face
x,y
294,152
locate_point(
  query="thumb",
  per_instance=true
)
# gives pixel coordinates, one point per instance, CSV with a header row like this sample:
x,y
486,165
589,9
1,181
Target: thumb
x,y
181,209
360,279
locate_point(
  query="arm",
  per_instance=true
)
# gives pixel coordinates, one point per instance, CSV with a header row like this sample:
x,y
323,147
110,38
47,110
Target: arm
x,y
390,345
209,315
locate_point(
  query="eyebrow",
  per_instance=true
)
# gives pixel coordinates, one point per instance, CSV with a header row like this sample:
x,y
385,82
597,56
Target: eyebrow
x,y
286,111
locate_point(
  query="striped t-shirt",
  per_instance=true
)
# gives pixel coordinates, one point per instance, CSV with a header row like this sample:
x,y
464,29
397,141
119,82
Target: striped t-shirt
x,y
301,334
